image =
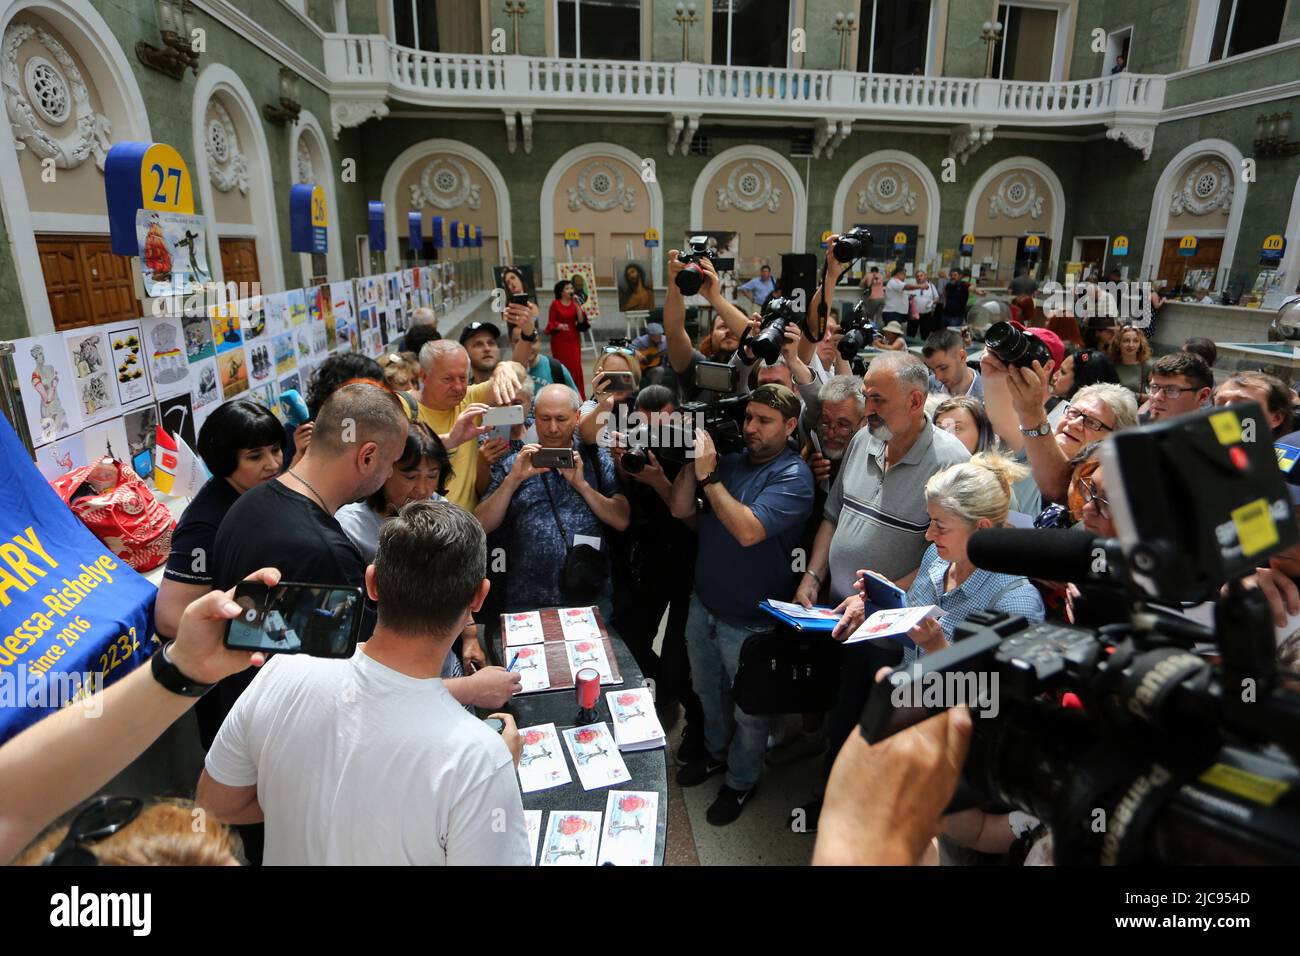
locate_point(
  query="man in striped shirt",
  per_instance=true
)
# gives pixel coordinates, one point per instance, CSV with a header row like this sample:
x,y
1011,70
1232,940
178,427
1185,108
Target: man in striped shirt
x,y
876,518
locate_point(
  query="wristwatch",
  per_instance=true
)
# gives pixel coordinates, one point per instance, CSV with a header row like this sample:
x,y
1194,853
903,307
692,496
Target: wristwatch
x,y
170,676
707,480
528,338
1042,430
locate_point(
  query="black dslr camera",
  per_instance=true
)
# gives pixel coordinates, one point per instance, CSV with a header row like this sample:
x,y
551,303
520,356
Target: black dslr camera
x,y
1015,347
858,331
778,312
691,278
1159,754
854,244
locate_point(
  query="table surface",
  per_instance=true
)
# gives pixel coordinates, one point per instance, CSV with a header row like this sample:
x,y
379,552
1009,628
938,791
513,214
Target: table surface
x,y
649,768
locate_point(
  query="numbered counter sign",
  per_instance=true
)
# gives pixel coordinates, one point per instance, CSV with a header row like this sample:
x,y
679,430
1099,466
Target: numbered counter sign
x,y
1187,246
651,238
967,246
826,239
1032,245
900,243
1120,246
571,237
1274,246
143,176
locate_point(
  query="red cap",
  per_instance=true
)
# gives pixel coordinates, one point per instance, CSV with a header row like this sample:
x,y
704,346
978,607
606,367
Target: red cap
x,y
1053,343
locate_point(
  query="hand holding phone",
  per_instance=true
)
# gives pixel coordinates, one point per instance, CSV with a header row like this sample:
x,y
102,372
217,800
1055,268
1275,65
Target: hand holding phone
x,y
291,618
553,458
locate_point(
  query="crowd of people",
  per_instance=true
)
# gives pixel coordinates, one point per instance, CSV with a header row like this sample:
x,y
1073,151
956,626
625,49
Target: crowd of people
x,y
397,487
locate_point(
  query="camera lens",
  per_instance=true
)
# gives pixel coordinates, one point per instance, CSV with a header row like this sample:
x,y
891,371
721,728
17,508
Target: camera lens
x,y
690,279
849,248
635,460
768,343
1015,347
854,341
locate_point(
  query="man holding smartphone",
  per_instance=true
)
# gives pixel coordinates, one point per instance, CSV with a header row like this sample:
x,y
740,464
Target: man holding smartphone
x,y
427,783
542,512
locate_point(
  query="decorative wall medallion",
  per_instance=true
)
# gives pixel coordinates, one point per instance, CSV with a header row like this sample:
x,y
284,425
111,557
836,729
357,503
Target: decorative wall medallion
x,y
306,168
445,184
57,90
1016,196
601,187
749,187
227,167
1207,187
887,191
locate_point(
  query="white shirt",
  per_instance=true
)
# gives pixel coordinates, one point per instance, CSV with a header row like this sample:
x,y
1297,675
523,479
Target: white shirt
x,y
357,764
895,296
925,299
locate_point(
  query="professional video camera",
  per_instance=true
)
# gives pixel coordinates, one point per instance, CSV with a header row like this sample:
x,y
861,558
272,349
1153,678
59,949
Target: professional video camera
x,y
723,418
1173,757
854,244
691,278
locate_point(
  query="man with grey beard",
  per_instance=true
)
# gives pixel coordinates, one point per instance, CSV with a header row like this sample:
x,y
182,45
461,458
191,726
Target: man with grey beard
x,y
876,518
841,409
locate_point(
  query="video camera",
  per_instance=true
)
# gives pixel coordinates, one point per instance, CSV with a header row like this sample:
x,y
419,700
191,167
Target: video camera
x,y
1172,757
691,278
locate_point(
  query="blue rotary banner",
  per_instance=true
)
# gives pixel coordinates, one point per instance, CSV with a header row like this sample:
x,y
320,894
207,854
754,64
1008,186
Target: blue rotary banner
x,y
74,617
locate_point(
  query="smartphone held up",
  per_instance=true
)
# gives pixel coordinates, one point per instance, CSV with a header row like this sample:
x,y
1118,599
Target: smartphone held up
x,y
314,619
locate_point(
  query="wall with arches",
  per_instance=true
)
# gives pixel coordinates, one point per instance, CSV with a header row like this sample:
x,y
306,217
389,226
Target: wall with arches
x,y
755,192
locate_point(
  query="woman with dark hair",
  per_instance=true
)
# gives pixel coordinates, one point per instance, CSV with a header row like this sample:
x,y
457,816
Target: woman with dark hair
x,y
242,445
421,474
565,325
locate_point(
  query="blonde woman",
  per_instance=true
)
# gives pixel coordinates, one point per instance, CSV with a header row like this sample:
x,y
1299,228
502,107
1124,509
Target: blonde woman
x,y
605,396
961,499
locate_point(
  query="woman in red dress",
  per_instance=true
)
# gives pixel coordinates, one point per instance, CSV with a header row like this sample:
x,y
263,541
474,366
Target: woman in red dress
x,y
565,325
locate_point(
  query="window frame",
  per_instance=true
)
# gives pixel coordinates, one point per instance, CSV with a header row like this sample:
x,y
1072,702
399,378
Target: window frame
x,y
577,30
1060,38
931,38
791,10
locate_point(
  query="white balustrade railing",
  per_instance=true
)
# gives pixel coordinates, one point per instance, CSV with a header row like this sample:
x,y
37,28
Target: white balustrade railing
x,y
372,66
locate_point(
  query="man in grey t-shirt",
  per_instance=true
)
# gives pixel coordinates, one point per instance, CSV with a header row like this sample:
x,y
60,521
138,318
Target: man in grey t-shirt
x,y
876,518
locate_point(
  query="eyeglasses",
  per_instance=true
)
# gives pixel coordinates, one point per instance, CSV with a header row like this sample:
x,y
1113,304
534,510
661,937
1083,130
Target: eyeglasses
x,y
1088,493
98,821
839,428
1096,424
1173,391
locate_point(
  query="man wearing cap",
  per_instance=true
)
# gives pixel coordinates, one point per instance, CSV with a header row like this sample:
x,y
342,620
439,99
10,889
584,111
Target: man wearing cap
x,y
480,341
750,508
651,348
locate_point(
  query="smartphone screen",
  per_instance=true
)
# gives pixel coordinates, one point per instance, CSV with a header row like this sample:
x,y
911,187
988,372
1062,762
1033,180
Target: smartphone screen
x,y
504,415
314,619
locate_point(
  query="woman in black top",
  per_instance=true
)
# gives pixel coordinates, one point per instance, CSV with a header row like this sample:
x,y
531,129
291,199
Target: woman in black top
x,y
243,445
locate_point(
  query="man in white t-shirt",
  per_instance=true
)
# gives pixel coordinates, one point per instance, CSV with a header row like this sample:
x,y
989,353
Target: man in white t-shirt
x,y
897,305
369,760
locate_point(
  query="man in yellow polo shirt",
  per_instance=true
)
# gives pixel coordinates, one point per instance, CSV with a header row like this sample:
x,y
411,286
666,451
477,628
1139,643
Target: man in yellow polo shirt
x,y
446,397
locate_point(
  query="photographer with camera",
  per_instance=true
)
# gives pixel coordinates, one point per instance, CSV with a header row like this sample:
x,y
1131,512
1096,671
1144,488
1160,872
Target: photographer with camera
x,y
876,515
543,516
749,508
426,783
696,272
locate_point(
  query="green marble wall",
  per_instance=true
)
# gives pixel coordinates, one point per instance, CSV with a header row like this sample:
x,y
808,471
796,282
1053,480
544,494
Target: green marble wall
x,y
1159,29
666,32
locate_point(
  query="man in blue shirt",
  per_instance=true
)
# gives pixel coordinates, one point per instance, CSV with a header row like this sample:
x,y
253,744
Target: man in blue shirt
x,y
755,504
759,289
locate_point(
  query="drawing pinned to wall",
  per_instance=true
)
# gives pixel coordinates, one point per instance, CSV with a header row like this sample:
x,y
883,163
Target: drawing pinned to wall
x,y
198,338
233,370
168,365
47,386
142,438
128,358
275,307
206,390
60,457
297,306
286,354
176,415
173,252
88,356
252,314
107,438
325,309
227,332
261,368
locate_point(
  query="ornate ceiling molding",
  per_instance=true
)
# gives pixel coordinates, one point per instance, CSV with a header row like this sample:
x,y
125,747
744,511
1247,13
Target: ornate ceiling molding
x,y
964,141
227,165
888,191
749,188
1206,187
1141,138
445,183
601,187
1016,196
49,87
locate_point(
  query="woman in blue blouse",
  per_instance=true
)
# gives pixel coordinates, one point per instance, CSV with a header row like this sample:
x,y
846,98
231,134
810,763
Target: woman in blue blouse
x,y
961,500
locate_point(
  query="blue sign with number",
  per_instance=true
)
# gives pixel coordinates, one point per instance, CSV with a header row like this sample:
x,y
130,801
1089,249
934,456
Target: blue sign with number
x,y
455,234
415,232
375,217
308,219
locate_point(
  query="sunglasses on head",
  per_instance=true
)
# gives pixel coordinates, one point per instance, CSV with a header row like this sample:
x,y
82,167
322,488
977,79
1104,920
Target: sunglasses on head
x,y
98,821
